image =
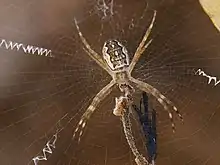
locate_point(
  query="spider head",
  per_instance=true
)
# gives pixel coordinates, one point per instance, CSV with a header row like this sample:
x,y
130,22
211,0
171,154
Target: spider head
x,y
115,55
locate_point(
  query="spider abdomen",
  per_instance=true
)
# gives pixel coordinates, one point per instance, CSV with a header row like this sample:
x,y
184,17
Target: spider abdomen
x,y
115,55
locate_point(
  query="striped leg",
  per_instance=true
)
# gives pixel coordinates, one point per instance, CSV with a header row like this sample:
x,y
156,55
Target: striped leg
x,y
92,107
95,56
142,46
166,103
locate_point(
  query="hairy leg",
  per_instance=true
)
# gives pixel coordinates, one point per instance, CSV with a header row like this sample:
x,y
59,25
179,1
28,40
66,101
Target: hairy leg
x,y
92,107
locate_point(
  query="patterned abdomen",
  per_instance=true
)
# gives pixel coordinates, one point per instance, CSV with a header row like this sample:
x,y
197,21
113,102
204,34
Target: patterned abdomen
x,y
115,55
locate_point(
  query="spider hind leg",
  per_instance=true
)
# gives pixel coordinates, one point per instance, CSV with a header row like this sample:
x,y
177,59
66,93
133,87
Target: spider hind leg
x,y
173,107
165,106
167,103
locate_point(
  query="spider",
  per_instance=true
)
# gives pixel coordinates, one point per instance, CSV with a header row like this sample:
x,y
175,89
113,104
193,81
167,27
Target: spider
x,y
116,62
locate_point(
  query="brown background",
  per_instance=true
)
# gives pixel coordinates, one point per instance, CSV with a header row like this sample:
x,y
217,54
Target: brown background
x,y
39,95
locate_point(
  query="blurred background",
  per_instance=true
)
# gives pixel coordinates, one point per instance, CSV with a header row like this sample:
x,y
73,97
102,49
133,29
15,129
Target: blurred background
x,y
42,96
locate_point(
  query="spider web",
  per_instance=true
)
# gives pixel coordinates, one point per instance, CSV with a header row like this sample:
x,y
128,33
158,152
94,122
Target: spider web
x,y
42,96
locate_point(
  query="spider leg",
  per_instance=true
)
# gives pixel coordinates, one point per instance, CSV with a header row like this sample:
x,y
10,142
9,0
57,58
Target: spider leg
x,y
95,56
166,103
145,46
142,46
92,107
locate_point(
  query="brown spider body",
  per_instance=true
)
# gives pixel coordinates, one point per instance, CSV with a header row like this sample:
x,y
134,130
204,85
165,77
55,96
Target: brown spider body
x,y
121,78
116,57
115,60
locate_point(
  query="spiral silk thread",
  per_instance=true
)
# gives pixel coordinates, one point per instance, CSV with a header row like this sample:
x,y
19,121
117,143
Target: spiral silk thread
x,y
210,78
28,49
47,149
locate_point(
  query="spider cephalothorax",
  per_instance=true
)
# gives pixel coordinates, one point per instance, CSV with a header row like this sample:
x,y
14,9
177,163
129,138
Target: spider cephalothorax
x,y
115,55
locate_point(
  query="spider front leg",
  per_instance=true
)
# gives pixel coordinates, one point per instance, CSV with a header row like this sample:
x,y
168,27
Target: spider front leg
x,y
95,56
92,107
142,46
166,103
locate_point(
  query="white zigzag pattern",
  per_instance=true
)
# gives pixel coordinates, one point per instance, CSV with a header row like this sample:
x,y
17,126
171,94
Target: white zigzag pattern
x,y
9,45
202,73
47,149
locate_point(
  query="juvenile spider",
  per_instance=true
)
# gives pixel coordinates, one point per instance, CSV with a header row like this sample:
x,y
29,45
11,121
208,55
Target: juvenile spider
x,y
116,62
